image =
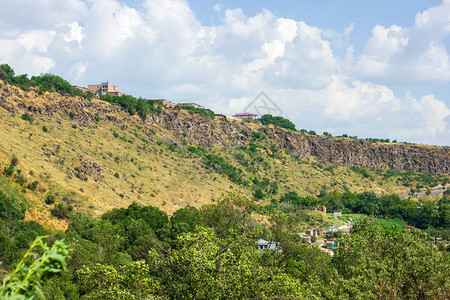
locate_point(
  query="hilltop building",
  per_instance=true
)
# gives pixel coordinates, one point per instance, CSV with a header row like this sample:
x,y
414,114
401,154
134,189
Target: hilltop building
x,y
245,116
104,88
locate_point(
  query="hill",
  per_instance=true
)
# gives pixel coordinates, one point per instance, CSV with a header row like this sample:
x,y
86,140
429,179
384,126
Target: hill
x,y
95,156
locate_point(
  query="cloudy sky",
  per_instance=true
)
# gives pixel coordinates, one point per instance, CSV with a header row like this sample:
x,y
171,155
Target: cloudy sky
x,y
376,69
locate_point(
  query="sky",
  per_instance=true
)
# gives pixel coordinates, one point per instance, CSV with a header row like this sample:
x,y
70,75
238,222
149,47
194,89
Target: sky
x,y
378,69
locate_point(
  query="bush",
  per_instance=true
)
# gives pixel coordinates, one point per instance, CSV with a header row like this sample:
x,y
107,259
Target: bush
x,y
61,211
9,171
44,129
10,208
50,199
14,161
201,111
26,117
277,121
258,194
6,73
32,186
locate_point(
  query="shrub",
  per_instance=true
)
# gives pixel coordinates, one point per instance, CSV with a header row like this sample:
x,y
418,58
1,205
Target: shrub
x,y
14,161
26,117
20,178
9,171
44,129
115,134
10,208
277,121
258,194
50,199
61,211
32,186
117,175
6,73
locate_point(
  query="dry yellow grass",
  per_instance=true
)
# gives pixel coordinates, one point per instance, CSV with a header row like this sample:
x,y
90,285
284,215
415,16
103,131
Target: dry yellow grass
x,y
135,167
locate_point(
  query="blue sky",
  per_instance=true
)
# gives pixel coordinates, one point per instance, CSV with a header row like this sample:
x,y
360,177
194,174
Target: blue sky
x,y
366,68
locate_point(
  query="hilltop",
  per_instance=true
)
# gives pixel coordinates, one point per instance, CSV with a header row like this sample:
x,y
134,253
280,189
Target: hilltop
x,y
95,156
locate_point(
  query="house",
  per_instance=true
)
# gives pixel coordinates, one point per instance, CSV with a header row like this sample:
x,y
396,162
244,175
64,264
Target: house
x,y
323,209
192,104
337,213
263,245
84,90
104,88
245,116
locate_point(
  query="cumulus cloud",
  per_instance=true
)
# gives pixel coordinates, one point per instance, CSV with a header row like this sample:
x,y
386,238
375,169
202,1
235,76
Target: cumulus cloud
x,y
163,50
415,55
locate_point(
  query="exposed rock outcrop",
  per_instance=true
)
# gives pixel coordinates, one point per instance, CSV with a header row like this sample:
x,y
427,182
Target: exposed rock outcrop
x,y
202,131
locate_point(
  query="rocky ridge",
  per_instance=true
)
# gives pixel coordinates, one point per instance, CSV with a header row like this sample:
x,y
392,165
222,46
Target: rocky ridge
x,y
202,131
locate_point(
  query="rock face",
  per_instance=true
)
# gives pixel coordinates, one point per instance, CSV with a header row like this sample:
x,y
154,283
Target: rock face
x,y
179,126
207,132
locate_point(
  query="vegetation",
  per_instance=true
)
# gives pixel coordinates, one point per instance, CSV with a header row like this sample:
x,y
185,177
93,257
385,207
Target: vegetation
x,y
198,110
44,82
25,282
277,121
177,251
139,252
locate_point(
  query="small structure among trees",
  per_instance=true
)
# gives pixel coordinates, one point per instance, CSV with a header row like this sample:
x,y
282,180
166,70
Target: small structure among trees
x,y
263,245
245,116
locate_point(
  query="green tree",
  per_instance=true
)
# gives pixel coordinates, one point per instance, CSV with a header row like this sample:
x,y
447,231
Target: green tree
x,y
126,282
6,73
277,121
206,267
377,261
11,208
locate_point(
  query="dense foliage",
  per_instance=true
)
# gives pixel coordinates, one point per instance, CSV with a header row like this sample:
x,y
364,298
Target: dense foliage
x,y
129,103
45,82
277,121
210,253
198,110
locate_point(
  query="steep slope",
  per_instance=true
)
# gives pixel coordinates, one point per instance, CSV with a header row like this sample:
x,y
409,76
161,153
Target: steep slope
x,y
95,156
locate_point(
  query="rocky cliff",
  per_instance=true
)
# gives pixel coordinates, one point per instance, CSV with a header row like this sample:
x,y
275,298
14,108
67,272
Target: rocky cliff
x,y
179,125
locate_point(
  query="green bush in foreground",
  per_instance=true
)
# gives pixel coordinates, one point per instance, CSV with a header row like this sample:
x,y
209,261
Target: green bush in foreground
x,y
25,282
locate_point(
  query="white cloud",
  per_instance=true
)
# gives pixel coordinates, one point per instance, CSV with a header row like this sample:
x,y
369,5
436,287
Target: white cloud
x,y
75,33
28,53
415,55
218,7
36,40
163,50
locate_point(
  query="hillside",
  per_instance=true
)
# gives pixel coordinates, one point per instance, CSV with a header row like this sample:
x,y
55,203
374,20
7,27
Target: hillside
x,y
95,156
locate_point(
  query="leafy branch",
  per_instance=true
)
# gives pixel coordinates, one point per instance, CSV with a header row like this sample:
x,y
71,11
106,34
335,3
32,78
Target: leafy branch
x,y
25,282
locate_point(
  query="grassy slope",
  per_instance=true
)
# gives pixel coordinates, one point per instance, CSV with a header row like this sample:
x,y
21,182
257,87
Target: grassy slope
x,y
149,172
